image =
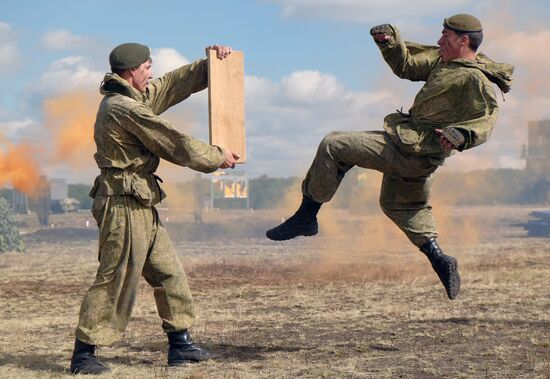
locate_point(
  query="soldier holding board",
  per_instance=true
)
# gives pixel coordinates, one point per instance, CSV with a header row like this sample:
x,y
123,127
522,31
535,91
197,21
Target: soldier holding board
x,y
131,138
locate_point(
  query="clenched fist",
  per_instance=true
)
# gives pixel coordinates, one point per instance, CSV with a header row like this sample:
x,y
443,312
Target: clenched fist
x,y
381,33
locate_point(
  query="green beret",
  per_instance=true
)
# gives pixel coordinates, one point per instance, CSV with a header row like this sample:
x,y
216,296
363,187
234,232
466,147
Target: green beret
x,y
128,55
463,23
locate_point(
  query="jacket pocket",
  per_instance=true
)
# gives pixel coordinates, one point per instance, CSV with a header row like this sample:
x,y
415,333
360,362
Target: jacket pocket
x,y
141,190
410,138
98,208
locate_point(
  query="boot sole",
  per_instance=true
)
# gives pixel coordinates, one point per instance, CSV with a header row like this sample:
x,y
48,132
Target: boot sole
x,y
105,370
185,362
454,280
180,363
291,236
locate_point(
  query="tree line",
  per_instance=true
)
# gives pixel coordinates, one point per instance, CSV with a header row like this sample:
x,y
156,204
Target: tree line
x,y
360,188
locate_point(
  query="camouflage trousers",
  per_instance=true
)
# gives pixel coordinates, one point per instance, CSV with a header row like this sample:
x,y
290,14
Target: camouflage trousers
x,y
132,243
406,183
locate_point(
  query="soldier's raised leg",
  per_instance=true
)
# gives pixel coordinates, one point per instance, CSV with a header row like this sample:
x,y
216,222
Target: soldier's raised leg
x,y
406,202
337,153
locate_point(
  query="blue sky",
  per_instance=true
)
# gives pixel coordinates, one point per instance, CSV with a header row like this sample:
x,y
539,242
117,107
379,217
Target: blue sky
x,y
311,67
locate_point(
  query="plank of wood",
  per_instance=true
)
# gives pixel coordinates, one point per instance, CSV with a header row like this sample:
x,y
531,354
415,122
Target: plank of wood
x,y
226,102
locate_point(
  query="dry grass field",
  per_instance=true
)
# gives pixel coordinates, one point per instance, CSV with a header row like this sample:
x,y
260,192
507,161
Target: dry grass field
x,y
357,301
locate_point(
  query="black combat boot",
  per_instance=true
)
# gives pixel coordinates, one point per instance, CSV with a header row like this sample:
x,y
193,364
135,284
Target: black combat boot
x,y
84,360
183,350
302,223
445,266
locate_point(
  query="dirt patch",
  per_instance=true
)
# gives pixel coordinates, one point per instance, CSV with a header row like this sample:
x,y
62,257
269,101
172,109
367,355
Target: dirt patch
x,y
57,235
344,304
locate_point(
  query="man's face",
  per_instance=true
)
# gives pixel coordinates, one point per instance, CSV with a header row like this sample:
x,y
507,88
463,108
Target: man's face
x,y
141,76
451,45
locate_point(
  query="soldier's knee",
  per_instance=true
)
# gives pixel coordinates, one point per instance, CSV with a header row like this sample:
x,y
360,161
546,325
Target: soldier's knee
x,y
387,211
385,204
330,139
333,144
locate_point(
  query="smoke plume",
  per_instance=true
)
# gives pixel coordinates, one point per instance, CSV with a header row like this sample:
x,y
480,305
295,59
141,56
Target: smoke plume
x,y
19,167
70,119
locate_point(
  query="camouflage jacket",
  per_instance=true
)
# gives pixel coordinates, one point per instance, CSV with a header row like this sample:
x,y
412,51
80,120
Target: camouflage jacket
x,y
458,94
131,137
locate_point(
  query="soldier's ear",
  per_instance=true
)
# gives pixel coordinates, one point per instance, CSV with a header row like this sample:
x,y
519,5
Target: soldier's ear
x,y
132,71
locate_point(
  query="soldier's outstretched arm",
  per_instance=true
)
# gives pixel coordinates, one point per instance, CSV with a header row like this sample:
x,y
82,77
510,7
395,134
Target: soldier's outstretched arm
x,y
177,85
162,139
408,60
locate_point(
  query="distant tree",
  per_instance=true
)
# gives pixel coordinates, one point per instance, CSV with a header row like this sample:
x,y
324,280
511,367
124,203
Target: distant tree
x,y
492,186
6,193
267,193
81,193
10,240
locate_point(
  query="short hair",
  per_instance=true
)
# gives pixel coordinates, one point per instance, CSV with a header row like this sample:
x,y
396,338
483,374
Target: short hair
x,y
475,38
118,71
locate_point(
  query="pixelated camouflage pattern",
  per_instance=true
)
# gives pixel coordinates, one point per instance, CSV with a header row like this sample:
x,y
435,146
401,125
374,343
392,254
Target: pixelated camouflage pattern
x,y
456,94
131,137
405,187
132,243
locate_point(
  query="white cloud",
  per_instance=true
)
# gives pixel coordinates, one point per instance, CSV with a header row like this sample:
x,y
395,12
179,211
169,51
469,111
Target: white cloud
x,y
64,40
66,75
367,11
165,60
286,120
77,72
14,129
523,50
9,52
311,87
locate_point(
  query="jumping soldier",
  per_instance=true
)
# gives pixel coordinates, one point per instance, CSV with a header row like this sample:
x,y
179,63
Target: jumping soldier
x,y
456,109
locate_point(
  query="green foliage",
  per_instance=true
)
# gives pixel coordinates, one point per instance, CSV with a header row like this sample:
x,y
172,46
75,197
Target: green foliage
x,y
479,187
492,186
6,193
267,193
81,193
10,240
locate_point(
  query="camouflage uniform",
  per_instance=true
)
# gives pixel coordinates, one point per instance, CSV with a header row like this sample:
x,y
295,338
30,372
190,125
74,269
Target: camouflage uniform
x,y
131,138
456,94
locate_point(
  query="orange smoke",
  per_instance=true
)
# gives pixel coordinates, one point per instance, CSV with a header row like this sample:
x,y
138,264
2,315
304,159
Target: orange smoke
x,y
71,119
19,168
355,240
179,201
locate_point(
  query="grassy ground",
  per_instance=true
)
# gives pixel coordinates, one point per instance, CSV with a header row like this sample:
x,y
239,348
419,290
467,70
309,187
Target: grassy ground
x,y
357,301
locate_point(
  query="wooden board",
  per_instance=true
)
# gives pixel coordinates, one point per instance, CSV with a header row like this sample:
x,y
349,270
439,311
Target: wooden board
x,y
226,102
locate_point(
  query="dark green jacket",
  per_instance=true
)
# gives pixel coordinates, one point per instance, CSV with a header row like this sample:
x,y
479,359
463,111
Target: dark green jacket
x,y
458,94
131,137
